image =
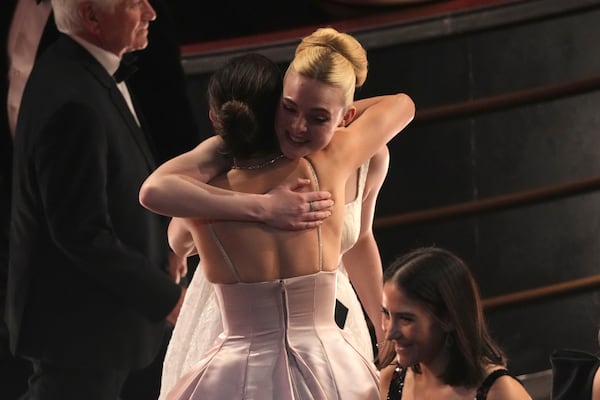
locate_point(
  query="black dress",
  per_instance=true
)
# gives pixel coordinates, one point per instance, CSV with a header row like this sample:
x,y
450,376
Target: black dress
x,y
397,383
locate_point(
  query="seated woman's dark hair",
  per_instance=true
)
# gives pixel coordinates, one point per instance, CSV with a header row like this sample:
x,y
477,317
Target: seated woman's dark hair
x,y
243,97
443,283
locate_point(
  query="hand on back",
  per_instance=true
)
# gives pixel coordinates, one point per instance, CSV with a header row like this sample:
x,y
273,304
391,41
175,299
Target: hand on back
x,y
288,207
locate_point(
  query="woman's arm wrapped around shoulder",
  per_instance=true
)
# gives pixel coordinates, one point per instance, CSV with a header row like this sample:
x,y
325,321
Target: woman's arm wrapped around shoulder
x,y
179,188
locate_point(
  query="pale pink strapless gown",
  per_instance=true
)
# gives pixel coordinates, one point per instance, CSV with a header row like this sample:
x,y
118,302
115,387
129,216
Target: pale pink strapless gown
x,y
280,342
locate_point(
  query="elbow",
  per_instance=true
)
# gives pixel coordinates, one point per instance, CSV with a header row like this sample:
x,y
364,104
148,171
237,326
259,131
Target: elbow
x,y
178,249
404,111
149,196
183,250
407,106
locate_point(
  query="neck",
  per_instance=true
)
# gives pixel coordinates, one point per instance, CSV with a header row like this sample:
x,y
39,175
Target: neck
x,y
256,162
430,371
428,376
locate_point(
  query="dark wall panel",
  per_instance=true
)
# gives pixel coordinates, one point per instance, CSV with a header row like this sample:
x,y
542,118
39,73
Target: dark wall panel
x,y
537,53
499,152
529,333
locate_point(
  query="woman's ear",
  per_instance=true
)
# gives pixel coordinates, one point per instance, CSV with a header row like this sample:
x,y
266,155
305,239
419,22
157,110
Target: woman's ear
x,y
447,325
348,116
211,116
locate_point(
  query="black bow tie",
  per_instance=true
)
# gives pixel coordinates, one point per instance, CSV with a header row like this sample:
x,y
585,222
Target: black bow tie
x,y
126,68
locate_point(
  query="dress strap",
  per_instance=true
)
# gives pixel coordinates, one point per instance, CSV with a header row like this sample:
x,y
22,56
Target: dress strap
x,y
225,256
362,179
487,383
319,242
396,383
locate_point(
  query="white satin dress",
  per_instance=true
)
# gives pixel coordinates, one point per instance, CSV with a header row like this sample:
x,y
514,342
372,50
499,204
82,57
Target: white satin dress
x,y
200,331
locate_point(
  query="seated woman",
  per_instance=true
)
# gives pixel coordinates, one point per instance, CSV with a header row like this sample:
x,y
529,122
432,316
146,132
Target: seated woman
x,y
276,289
437,343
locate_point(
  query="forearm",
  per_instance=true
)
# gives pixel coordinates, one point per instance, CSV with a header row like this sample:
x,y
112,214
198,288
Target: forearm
x,y
364,267
179,188
183,196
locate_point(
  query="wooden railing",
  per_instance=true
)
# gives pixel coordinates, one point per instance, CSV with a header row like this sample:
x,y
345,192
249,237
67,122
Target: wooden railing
x,y
508,100
496,203
511,200
385,28
487,105
542,293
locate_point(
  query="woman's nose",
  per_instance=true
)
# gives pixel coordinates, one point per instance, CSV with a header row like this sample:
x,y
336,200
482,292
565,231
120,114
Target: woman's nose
x,y
299,124
391,332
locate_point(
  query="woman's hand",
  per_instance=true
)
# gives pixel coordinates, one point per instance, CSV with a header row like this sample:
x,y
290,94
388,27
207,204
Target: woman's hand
x,y
286,207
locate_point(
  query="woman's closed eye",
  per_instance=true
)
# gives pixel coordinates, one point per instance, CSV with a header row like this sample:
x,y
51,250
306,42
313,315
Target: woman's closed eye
x,y
288,108
404,318
385,312
320,120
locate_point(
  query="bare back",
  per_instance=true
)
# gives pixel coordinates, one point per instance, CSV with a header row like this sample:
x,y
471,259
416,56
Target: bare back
x,y
261,253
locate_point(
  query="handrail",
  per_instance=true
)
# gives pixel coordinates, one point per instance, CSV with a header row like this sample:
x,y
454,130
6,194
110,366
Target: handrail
x,y
508,100
491,204
386,28
550,192
540,293
489,104
370,18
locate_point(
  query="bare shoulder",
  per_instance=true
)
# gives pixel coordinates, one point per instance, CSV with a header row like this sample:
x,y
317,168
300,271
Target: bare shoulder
x,y
507,388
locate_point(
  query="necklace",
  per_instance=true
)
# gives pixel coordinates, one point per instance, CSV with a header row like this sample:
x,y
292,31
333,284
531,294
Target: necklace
x,y
257,165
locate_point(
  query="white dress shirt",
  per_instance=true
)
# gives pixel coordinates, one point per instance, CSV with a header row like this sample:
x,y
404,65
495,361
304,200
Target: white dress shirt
x,y
110,62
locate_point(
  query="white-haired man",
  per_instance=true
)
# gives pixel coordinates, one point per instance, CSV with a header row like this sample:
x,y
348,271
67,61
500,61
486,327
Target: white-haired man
x,y
88,292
